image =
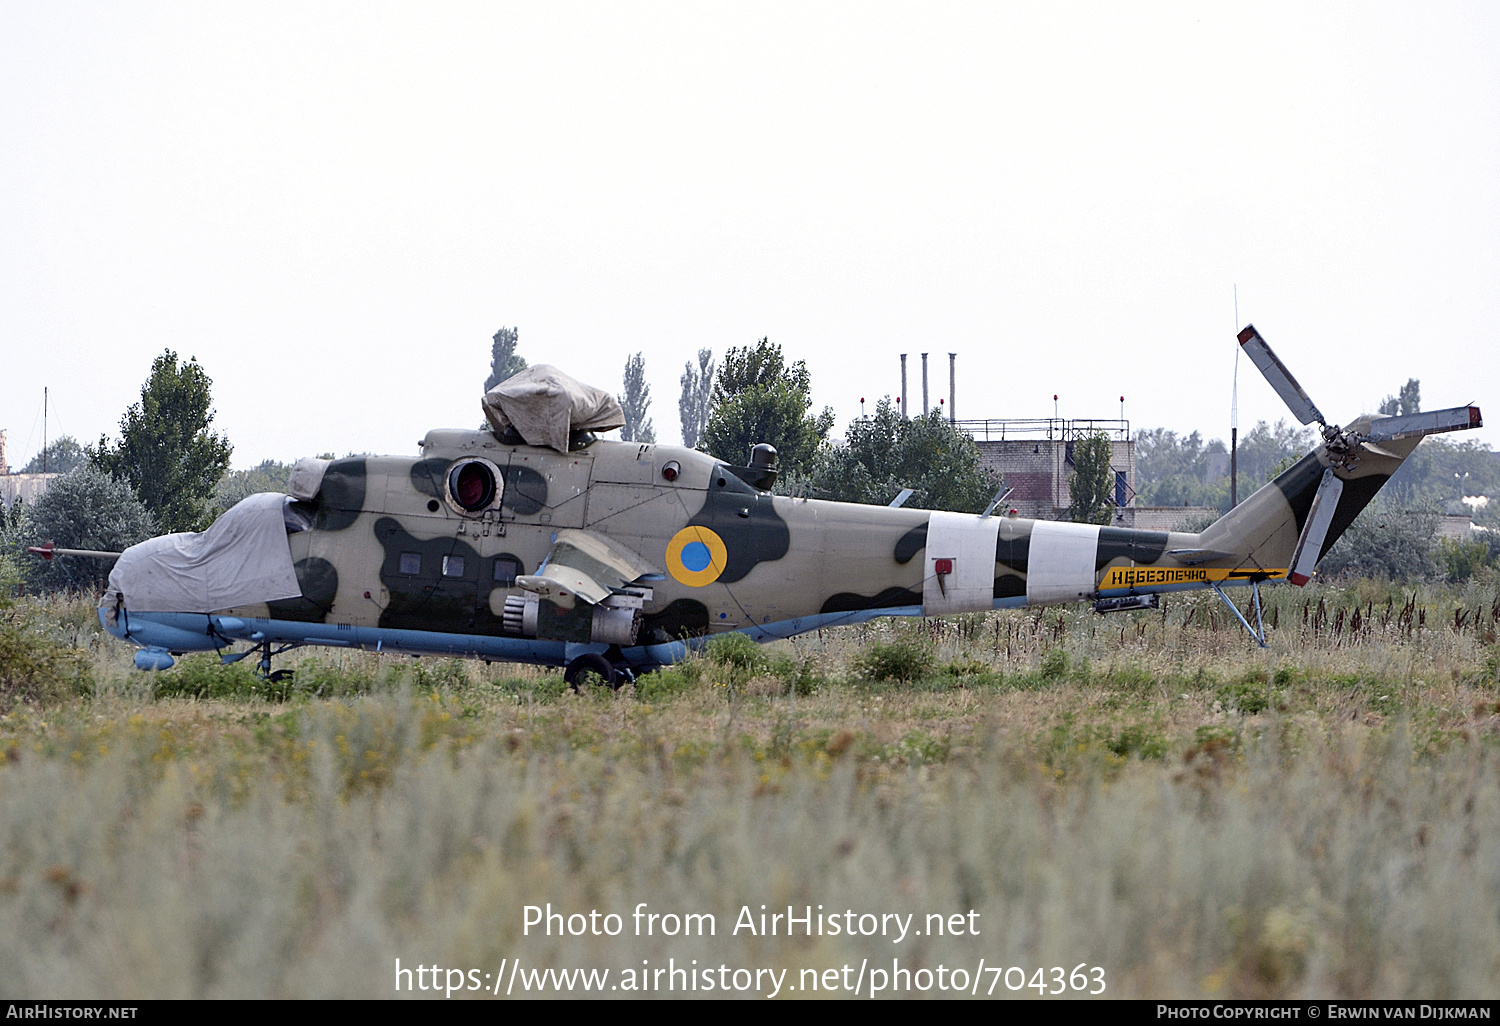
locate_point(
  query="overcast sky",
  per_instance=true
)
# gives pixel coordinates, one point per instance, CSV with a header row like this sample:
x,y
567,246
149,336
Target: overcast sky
x,y
333,207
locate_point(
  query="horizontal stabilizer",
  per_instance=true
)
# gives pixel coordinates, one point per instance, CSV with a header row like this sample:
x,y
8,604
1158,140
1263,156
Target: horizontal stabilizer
x,y
1414,425
1280,378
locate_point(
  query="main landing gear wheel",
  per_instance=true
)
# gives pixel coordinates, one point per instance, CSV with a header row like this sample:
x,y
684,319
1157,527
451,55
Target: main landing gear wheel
x,y
591,663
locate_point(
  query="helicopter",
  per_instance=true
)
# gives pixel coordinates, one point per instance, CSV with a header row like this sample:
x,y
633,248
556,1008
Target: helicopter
x,y
536,541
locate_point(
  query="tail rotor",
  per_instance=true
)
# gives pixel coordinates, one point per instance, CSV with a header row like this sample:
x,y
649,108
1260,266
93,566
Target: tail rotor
x,y
1344,446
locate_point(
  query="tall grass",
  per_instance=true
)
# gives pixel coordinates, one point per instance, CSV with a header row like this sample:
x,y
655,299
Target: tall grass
x,y
1149,793
1345,870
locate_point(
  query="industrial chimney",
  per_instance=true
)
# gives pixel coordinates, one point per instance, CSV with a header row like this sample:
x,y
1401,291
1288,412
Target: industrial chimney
x,y
926,403
903,400
952,388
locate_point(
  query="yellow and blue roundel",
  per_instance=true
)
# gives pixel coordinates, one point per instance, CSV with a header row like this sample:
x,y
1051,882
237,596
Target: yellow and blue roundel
x,y
696,556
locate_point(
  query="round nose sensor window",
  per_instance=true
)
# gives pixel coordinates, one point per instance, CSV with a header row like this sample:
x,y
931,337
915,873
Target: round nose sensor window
x,y
473,485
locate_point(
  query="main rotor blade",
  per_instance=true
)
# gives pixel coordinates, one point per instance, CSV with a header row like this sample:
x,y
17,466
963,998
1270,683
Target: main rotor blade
x,y
1459,418
47,551
1280,378
1319,518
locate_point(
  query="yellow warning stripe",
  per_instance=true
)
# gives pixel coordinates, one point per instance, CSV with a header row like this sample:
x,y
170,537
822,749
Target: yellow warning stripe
x,y
1147,576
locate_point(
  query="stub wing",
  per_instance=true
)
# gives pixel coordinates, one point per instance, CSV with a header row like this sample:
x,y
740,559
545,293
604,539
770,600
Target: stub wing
x,y
584,565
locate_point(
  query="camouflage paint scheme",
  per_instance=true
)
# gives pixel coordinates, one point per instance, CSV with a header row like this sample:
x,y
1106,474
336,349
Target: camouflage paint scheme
x,y
617,555
549,569
790,564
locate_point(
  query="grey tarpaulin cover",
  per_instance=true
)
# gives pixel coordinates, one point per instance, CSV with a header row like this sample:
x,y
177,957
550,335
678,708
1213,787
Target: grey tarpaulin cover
x,y
306,478
239,561
544,405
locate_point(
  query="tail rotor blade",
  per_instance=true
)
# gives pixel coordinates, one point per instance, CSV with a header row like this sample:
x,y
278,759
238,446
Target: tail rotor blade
x,y
1459,418
1319,519
1280,378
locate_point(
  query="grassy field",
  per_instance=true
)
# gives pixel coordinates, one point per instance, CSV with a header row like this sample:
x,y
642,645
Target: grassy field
x,y
1147,793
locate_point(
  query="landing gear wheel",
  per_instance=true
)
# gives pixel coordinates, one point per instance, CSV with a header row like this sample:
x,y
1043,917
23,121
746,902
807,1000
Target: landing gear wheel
x,y
280,675
591,663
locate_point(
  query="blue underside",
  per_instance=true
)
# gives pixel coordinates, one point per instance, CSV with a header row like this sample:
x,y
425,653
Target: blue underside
x,y
196,632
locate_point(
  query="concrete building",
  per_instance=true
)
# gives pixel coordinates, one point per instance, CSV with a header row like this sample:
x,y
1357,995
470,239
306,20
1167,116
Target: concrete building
x,y
26,487
1035,457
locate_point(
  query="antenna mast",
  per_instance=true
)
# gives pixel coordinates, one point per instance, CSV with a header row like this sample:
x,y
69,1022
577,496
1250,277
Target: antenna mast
x,y
1234,415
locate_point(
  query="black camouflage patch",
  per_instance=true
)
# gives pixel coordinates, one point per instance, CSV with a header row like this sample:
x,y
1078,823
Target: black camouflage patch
x,y
426,600
1352,501
747,521
683,618
342,495
1009,586
525,490
1012,552
1299,484
890,598
427,476
1128,543
319,581
911,543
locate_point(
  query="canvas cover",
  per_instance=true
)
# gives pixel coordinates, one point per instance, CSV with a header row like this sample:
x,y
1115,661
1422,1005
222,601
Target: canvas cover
x,y
241,560
545,406
306,478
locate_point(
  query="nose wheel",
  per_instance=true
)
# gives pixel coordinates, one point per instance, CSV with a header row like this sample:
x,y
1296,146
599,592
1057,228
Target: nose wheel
x,y
263,665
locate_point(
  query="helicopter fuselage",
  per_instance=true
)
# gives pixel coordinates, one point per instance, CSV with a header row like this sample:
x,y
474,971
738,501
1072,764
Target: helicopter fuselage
x,y
389,560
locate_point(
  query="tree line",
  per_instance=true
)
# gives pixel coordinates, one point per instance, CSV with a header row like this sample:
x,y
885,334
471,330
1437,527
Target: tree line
x,y
169,470
159,476
755,394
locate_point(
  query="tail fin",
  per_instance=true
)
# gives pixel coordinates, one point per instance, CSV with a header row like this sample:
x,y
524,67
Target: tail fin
x,y
1262,532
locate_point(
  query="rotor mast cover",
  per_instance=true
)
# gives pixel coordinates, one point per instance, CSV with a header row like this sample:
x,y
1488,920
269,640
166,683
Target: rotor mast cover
x,y
545,406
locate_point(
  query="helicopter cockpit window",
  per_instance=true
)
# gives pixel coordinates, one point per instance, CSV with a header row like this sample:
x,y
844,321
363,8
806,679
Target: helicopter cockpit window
x,y
295,516
507,569
411,563
453,566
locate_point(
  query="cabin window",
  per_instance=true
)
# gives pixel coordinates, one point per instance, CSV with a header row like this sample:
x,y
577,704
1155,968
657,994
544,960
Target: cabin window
x,y
506,570
453,566
296,516
411,562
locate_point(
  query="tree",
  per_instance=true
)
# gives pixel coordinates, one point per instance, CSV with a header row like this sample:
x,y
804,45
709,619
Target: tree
x,y
1180,471
883,454
266,476
86,509
758,366
635,401
15,532
1409,400
62,455
504,362
1091,481
1386,542
697,397
166,452
1264,448
760,398
1440,471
